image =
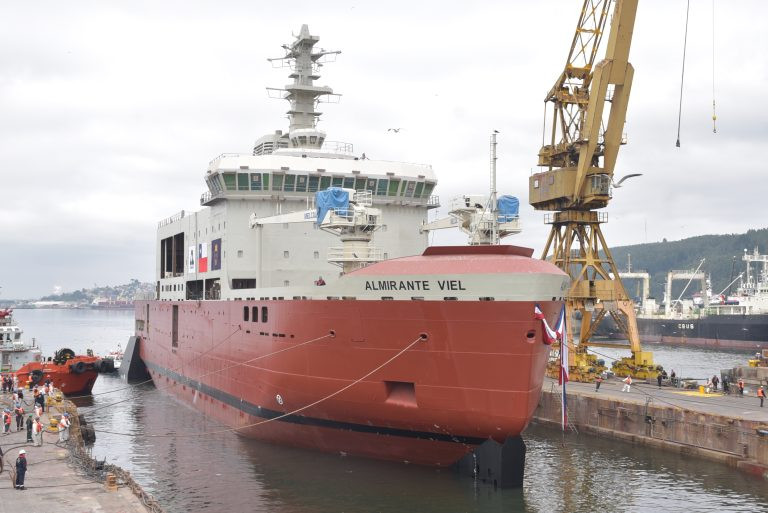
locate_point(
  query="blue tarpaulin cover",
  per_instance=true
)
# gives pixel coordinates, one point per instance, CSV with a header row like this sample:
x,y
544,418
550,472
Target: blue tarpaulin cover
x,y
333,197
507,207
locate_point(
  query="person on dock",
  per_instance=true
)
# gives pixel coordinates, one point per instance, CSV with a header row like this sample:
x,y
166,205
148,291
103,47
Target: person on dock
x,y
627,384
715,382
29,428
659,377
37,432
15,381
19,417
40,400
6,421
21,469
673,378
598,382
726,386
64,428
761,395
741,387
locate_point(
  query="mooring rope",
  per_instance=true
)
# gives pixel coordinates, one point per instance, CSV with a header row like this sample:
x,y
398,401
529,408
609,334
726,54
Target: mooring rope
x,y
236,364
284,415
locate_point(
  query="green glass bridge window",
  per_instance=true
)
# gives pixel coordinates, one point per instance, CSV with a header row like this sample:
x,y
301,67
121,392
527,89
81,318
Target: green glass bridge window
x,y
301,183
229,181
409,188
255,181
349,182
265,176
277,182
381,190
428,188
338,181
314,182
419,189
325,182
394,185
290,181
242,181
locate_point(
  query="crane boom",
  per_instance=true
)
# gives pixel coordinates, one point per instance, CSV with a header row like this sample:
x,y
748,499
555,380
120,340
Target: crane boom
x,y
577,176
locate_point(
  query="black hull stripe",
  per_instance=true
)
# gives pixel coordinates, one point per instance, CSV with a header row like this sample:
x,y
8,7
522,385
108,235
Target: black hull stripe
x,y
258,411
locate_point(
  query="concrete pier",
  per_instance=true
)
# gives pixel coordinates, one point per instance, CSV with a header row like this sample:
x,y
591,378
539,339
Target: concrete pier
x,y
53,480
730,429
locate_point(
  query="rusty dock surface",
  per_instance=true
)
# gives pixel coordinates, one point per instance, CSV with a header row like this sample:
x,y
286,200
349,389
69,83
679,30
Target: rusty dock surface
x,y
56,478
731,429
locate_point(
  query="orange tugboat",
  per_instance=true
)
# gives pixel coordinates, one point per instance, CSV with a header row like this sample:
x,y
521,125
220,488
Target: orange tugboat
x,y
69,373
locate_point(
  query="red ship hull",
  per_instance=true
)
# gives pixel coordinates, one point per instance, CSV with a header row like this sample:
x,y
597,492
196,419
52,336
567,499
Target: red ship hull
x,y
477,375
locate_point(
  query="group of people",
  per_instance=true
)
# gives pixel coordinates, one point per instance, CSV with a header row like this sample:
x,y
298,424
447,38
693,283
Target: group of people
x,y
34,425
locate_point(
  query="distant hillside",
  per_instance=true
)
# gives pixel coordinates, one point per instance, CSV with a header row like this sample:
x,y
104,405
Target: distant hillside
x,y
127,291
719,251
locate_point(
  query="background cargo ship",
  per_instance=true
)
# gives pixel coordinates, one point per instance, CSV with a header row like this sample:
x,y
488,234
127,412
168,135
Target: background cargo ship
x,y
411,358
710,320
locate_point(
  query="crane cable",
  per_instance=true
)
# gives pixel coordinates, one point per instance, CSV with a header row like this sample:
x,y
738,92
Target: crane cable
x,y
714,112
682,75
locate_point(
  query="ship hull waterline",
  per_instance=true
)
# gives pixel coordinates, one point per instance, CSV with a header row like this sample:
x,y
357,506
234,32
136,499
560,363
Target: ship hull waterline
x,y
475,373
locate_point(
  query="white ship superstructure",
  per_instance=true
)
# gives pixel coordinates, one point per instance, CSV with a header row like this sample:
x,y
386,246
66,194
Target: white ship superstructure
x,y
215,254
14,349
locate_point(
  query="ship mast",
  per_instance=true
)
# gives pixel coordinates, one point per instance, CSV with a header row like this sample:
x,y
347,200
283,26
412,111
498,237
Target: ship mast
x,y
303,95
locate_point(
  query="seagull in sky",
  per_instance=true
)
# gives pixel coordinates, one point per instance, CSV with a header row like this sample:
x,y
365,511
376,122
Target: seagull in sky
x,y
618,184
395,130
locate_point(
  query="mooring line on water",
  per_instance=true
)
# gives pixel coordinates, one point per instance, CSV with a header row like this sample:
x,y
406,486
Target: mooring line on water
x,y
132,385
284,415
237,364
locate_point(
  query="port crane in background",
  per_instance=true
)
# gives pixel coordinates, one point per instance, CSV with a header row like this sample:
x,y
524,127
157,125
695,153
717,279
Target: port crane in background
x,y
577,178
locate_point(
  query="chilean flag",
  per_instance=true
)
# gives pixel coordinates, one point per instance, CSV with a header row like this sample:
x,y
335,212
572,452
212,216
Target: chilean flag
x,y
550,335
563,378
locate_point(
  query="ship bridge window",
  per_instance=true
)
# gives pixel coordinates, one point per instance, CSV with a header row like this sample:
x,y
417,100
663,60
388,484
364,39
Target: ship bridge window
x,y
360,184
370,185
242,181
243,283
290,181
229,181
338,181
349,182
314,182
394,185
428,188
301,183
409,188
312,139
381,189
325,182
277,182
303,140
419,190
18,336
255,181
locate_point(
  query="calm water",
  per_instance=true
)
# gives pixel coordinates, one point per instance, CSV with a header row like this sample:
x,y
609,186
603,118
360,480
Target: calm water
x,y
228,473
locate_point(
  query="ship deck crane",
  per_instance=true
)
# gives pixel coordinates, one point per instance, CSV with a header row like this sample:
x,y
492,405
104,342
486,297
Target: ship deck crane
x,y
577,177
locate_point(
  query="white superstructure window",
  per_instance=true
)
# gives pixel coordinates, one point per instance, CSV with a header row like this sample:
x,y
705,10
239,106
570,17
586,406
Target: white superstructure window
x,y
317,255
286,254
239,253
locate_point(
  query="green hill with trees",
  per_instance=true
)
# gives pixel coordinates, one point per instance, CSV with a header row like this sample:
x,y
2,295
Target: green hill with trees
x,y
722,254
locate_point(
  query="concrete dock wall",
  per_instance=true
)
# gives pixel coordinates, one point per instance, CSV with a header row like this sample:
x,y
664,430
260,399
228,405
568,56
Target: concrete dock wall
x,y
733,441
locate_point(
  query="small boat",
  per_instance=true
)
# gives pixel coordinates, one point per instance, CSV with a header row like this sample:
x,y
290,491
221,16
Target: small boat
x,y
68,372
116,357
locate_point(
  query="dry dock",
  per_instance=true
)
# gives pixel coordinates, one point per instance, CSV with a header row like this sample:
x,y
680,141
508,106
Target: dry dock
x,y
729,429
55,479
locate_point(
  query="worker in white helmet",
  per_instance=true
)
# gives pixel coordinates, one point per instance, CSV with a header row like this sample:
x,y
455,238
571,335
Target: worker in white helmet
x,y
64,428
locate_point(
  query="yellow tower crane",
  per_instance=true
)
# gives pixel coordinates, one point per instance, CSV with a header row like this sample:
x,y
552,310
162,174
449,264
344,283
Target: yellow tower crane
x,y
577,180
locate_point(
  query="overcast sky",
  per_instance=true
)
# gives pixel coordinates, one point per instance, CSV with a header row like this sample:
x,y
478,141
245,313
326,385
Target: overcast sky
x,y
111,111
